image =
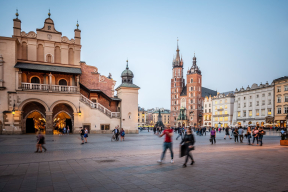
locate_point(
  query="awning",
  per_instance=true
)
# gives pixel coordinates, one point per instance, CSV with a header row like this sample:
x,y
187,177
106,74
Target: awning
x,y
48,68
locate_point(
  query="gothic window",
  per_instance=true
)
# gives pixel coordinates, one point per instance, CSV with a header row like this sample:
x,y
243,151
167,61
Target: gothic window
x,y
24,51
40,53
63,82
35,80
191,80
57,55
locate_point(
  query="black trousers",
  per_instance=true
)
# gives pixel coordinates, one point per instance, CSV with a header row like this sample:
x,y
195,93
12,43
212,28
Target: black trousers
x,y
213,138
236,138
188,154
241,138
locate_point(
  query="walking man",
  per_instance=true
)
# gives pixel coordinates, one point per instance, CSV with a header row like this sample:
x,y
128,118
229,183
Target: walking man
x,y
240,133
167,144
179,133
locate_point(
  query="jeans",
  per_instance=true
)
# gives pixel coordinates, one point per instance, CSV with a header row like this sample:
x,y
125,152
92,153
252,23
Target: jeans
x,y
260,139
165,147
236,138
180,135
188,154
249,136
254,139
241,138
213,138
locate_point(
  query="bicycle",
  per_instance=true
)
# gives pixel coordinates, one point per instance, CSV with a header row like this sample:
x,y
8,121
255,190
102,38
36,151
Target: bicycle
x,y
113,138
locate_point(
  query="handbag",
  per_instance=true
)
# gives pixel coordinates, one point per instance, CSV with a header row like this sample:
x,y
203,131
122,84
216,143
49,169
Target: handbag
x,y
182,150
210,140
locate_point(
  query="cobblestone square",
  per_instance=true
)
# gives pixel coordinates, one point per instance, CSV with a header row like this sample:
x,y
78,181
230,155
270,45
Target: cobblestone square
x,y
102,165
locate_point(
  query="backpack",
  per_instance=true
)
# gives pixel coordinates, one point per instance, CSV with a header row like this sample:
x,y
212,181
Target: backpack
x,y
123,134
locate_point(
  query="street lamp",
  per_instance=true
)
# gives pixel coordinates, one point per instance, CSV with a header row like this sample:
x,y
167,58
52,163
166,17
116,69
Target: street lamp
x,y
13,110
79,113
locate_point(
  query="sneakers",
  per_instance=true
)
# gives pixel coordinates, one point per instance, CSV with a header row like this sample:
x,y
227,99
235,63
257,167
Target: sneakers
x,y
159,161
184,165
172,161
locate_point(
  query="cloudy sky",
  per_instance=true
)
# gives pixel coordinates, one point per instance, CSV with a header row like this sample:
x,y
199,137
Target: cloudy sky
x,y
237,43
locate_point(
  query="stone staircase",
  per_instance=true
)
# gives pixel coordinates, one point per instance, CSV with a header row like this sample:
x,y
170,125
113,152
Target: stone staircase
x,y
100,107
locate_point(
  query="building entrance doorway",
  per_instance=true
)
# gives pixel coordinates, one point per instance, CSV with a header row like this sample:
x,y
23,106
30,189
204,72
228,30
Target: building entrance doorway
x,y
35,122
61,120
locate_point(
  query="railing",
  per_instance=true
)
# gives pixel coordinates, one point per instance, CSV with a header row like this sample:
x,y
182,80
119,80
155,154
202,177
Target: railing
x,y
45,87
35,86
99,107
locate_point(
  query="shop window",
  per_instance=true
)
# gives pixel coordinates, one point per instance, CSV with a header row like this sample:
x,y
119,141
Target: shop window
x,y
105,127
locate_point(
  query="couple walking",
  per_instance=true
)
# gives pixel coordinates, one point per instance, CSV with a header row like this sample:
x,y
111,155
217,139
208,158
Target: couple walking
x,y
188,141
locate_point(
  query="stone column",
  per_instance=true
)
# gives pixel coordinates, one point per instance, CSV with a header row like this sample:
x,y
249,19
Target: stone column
x,y
78,83
49,123
19,79
16,79
50,82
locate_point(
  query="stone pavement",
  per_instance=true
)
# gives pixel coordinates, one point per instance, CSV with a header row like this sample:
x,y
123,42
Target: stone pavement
x,y
102,165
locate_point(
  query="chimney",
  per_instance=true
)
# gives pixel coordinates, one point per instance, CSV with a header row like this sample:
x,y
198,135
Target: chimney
x,y
16,25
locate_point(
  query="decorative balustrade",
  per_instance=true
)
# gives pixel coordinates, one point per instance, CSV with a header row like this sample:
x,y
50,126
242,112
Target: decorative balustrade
x,y
99,107
45,87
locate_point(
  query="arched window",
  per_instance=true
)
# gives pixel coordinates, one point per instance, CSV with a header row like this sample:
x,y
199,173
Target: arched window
x,y
71,56
63,82
35,80
24,51
57,55
40,53
49,58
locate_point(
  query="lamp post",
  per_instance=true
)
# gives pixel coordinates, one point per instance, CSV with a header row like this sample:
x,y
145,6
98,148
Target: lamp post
x,y
79,112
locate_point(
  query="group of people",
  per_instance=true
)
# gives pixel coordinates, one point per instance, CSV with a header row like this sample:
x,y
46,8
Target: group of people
x,y
117,133
83,135
186,145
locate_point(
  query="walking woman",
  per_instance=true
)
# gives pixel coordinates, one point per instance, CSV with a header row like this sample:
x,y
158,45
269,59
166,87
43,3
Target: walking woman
x,y
260,135
86,135
213,135
188,141
255,135
235,135
248,133
40,143
122,134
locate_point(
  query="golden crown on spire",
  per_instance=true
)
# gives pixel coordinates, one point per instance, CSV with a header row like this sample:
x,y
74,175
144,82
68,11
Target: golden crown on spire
x,y
17,13
77,25
49,14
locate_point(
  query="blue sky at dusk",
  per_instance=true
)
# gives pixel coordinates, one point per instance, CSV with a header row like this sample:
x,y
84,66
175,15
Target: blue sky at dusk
x,y
237,43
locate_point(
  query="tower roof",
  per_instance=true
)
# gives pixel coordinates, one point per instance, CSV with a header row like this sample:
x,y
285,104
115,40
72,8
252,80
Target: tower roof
x,y
127,72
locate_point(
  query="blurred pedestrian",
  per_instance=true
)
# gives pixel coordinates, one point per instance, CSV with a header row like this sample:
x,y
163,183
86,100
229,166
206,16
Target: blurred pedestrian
x,y
188,141
248,133
227,133
85,134
261,132
82,132
213,136
235,133
255,135
40,143
240,133
122,134
167,143
68,130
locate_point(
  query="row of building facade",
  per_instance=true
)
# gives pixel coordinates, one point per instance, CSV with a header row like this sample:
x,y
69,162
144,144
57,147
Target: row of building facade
x,y
256,105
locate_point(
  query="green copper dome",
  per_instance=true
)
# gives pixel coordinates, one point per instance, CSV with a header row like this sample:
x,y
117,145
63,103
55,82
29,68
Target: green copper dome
x,y
127,72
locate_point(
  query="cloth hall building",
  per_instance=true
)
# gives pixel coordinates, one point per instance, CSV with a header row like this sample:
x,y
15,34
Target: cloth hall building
x,y
45,86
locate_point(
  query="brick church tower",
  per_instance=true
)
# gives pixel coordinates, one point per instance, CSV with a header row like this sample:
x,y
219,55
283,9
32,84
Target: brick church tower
x,y
186,100
194,95
177,84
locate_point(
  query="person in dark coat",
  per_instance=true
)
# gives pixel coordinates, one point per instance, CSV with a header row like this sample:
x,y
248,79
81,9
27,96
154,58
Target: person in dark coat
x,y
188,141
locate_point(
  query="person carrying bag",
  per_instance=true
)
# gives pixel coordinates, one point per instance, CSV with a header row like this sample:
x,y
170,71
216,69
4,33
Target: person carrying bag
x,y
188,145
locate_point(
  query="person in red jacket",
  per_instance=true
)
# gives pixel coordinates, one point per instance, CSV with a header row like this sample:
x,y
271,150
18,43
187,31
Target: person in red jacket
x,y
167,143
